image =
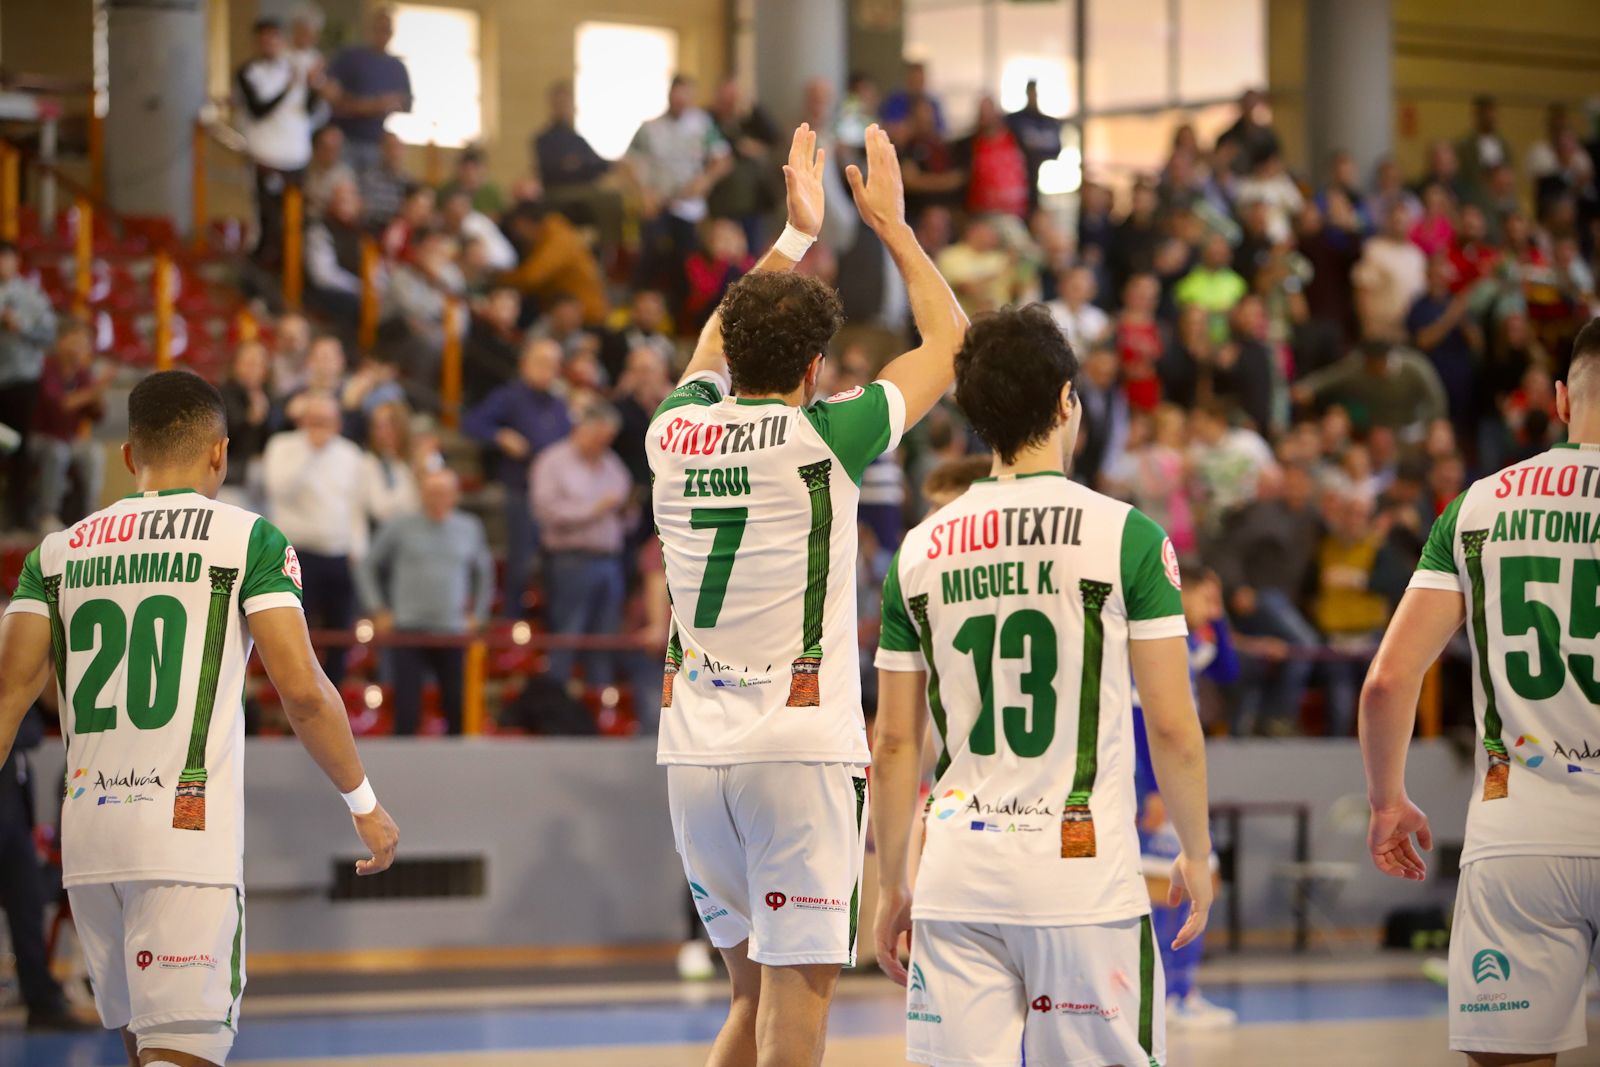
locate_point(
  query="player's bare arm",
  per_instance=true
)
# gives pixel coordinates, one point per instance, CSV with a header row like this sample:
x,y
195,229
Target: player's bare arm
x,y
24,668
1422,626
896,771
1178,751
318,718
925,373
802,179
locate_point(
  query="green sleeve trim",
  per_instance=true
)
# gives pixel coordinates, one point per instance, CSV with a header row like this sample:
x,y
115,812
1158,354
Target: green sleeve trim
x,y
699,393
30,585
897,633
270,564
857,430
1439,552
1147,590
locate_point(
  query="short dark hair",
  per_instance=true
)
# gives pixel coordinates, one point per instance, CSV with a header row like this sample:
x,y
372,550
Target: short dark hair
x,y
266,24
1585,364
773,325
172,415
1009,375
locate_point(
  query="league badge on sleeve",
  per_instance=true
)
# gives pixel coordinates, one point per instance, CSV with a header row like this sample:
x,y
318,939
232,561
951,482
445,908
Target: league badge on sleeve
x,y
846,395
291,566
1169,561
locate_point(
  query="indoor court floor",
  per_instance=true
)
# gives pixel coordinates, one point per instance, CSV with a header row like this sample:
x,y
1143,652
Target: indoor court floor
x,y
1313,1011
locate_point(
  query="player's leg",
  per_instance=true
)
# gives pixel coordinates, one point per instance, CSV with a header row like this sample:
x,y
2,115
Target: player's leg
x,y
1519,953
97,917
803,829
714,865
1096,994
792,1019
965,1002
735,1045
186,946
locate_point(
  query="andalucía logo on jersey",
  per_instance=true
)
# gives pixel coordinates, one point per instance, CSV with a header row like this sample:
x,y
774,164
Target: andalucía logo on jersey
x,y
1490,963
951,802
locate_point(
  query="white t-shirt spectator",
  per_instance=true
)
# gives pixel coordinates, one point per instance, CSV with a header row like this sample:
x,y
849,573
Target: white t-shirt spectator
x,y
1085,326
1229,470
1389,277
279,112
670,152
388,488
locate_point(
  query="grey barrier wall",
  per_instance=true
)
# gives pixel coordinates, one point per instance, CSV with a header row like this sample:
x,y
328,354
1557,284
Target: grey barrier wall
x,y
577,841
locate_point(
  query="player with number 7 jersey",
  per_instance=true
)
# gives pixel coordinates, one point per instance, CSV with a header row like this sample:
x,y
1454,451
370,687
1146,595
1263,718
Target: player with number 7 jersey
x,y
142,618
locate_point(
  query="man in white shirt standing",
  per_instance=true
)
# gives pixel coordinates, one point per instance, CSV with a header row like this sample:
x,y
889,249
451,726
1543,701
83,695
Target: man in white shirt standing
x,y
279,109
313,482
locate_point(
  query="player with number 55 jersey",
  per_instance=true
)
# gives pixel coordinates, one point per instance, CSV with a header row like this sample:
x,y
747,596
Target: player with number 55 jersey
x,y
1516,557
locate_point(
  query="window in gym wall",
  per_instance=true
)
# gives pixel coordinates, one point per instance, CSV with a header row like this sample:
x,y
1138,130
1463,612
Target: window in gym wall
x,y
440,48
622,76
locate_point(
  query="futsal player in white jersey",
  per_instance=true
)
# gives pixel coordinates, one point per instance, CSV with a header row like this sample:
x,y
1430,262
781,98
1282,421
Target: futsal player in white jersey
x,y
147,611
1517,557
755,495
1012,616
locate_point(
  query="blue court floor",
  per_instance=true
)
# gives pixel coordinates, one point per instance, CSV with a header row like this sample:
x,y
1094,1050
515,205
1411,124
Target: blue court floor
x,y
875,1011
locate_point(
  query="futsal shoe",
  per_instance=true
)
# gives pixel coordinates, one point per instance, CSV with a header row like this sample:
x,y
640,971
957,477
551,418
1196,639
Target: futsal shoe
x,y
1195,1012
694,962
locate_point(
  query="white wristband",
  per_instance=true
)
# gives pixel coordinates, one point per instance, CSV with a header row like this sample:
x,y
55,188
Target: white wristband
x,y
793,244
361,800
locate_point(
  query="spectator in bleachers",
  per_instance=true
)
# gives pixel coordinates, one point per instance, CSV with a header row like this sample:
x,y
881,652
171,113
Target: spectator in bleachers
x,y
1039,135
722,259
979,268
556,261
1442,329
1247,372
281,107
472,178
1104,431
581,494
1268,183
71,404
1227,461
1139,339
520,420
389,192
388,473
377,380
27,328
562,159
305,31
932,171
1389,191
1135,238
369,85
1348,611
333,258
1390,275
1264,558
747,192
418,290
1213,285
1435,230
399,226
494,344
645,326
1381,385
325,374
1251,134
997,169
429,572
563,323
1482,148
1084,324
900,106
326,171
460,216
644,383
248,404
673,162
1443,169
312,479
291,343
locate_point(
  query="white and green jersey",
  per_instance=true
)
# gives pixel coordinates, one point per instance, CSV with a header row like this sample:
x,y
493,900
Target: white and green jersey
x,y
1018,600
147,602
755,502
1523,548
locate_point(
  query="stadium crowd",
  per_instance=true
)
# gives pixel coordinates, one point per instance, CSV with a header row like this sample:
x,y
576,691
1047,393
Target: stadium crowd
x,y
1292,379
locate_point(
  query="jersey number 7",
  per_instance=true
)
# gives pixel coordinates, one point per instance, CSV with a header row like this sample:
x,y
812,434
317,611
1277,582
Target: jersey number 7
x,y
729,525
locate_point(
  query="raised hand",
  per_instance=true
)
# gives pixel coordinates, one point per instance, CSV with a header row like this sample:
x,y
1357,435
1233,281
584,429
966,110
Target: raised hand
x,y
881,194
802,177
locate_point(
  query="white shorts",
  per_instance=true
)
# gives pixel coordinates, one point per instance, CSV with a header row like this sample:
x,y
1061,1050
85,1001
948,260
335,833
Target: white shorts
x,y
1520,948
162,952
987,995
772,852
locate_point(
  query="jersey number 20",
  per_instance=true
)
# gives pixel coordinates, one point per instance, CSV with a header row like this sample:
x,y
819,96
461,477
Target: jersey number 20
x,y
153,666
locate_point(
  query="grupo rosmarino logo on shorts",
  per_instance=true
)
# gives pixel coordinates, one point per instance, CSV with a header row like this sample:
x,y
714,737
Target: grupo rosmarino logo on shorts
x,y
1490,964
918,1006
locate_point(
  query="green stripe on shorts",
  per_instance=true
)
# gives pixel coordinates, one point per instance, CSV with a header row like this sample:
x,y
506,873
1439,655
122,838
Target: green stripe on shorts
x,y
1147,988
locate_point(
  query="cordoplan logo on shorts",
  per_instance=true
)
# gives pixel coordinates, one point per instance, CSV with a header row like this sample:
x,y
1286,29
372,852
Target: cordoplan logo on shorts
x,y
1049,1006
777,900
169,962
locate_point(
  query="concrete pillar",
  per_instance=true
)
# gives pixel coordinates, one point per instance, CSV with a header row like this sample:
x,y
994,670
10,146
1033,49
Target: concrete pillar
x,y
796,41
1349,81
157,84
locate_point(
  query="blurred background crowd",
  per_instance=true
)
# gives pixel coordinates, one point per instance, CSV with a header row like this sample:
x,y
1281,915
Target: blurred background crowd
x,y
1293,379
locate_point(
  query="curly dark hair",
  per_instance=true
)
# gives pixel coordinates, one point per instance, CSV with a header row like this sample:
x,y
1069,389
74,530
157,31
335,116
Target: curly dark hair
x,y
1009,376
773,325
